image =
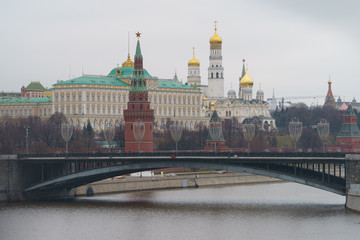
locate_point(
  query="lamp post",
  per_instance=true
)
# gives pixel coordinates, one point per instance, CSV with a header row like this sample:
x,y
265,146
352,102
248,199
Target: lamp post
x,y
109,133
176,132
249,133
215,130
138,131
66,132
27,138
323,128
295,130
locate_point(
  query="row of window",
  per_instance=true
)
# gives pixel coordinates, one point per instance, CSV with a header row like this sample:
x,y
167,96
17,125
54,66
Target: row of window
x,y
24,112
217,75
113,110
155,99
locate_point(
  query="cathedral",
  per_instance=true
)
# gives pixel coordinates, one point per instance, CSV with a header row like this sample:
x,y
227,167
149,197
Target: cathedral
x,y
101,100
241,107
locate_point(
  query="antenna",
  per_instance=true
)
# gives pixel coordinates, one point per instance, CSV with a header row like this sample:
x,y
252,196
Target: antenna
x,y
69,71
129,43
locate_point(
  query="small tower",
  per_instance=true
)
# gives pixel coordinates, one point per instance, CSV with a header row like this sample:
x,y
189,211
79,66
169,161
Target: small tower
x,y
329,99
242,75
260,94
215,69
138,108
231,93
220,141
194,78
348,138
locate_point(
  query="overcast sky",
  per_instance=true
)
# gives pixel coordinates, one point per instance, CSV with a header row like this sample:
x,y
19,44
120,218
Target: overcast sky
x,y
290,46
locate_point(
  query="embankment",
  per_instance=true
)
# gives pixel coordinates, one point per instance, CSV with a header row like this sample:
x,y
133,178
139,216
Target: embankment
x,y
130,184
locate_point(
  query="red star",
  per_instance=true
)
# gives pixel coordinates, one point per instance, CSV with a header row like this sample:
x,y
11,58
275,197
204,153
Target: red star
x,y
138,34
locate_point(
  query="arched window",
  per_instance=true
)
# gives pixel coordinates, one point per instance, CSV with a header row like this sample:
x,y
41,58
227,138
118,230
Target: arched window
x,y
212,75
217,75
222,75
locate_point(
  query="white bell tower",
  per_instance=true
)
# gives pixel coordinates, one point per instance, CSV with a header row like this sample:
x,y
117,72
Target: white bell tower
x,y
215,69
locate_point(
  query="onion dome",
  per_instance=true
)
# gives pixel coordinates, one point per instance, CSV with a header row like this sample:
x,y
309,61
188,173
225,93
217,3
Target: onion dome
x,y
204,99
194,61
128,62
246,81
212,104
231,92
216,40
260,92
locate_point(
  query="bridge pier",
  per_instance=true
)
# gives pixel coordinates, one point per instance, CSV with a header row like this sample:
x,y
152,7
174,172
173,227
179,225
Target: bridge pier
x,y
353,182
17,175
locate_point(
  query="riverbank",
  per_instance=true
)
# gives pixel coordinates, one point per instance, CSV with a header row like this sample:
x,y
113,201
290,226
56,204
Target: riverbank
x,y
130,184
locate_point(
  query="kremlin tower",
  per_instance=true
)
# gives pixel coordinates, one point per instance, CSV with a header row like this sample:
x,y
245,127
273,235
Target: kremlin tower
x,y
194,78
138,108
329,99
348,138
215,69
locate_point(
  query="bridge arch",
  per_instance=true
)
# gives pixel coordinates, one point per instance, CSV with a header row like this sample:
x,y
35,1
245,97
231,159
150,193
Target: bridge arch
x,y
88,176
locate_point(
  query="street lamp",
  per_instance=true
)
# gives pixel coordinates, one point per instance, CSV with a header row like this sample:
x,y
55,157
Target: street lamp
x,y
138,131
27,138
295,130
66,132
323,128
109,133
249,133
176,131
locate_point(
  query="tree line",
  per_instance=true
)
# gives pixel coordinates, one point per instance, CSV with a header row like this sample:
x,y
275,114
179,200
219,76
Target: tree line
x,y
44,135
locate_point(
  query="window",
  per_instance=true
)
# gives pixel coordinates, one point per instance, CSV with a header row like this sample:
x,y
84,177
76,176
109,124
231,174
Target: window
x,y
212,75
80,97
217,75
189,100
93,98
184,100
164,99
87,97
174,100
169,100
159,99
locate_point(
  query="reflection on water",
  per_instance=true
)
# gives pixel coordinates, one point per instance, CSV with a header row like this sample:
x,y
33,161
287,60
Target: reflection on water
x,y
266,211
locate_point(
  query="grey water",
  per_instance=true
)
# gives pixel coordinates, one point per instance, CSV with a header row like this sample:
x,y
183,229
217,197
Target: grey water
x,y
256,211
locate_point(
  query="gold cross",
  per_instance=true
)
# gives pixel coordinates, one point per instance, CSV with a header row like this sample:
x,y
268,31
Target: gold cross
x,y
215,24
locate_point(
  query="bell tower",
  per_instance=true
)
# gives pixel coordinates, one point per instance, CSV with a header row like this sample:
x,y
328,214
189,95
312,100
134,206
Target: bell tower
x,y
215,69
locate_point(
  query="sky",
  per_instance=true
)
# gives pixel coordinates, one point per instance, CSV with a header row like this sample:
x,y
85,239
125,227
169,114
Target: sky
x,y
290,46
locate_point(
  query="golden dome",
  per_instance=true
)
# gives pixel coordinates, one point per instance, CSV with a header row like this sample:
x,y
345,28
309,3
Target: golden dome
x,y
212,104
128,62
216,40
194,61
246,81
204,99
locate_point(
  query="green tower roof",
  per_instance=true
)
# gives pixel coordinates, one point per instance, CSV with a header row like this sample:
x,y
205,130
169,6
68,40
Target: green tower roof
x,y
35,86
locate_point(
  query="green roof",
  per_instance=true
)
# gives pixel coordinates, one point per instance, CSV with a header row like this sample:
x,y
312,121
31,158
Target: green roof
x,y
35,86
94,81
26,100
174,84
126,71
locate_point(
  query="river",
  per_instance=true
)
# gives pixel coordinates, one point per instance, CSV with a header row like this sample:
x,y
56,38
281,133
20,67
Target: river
x,y
256,211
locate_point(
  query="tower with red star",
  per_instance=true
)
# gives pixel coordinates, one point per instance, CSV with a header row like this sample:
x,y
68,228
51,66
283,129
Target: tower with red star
x,y
138,108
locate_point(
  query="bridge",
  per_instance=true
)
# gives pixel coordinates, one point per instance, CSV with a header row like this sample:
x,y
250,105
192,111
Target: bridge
x,y
43,176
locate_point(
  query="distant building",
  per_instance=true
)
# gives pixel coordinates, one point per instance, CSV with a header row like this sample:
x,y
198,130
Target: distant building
x,y
34,89
329,99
